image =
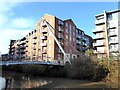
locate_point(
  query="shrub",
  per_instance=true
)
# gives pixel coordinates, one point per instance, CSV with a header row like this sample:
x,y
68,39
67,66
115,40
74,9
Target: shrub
x,y
85,68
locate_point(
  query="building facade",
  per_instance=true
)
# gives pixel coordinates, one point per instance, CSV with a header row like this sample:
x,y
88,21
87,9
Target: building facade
x,y
107,33
39,44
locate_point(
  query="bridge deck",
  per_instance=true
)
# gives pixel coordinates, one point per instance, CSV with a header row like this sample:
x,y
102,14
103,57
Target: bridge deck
x,y
6,63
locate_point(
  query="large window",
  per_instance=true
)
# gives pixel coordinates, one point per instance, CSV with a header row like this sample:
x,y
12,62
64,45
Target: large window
x,y
73,39
66,43
109,17
66,30
66,36
66,24
44,57
66,50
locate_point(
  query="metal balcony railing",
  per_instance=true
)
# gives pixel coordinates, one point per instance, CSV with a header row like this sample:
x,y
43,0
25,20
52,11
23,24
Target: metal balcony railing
x,y
98,44
60,36
114,50
60,23
43,44
60,29
97,30
43,37
98,37
44,51
44,31
112,34
101,21
113,42
44,25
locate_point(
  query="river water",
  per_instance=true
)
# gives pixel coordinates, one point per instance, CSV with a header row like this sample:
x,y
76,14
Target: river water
x,y
20,80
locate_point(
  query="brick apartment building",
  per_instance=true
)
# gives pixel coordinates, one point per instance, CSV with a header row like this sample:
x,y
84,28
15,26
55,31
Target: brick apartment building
x,y
107,33
39,44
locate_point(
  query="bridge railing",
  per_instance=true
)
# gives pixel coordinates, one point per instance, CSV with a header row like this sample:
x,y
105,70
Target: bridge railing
x,y
54,62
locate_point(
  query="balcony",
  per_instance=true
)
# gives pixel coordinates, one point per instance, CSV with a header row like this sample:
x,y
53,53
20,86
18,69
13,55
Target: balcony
x,y
101,21
43,37
21,51
26,45
44,24
97,30
34,37
26,40
102,51
60,29
112,26
44,44
78,36
44,51
98,44
34,42
59,51
60,36
78,43
22,42
113,42
60,23
22,47
34,48
61,44
98,37
114,50
95,51
44,31
112,34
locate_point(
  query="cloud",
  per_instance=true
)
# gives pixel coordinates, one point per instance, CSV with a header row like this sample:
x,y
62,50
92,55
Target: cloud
x,y
10,26
8,34
22,22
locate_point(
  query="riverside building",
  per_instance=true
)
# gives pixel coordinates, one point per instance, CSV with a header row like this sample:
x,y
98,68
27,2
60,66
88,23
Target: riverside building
x,y
39,44
107,33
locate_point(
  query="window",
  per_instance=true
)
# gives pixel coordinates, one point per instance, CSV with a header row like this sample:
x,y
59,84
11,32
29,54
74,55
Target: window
x,y
59,57
44,56
66,43
44,48
73,39
71,27
49,55
73,33
66,30
66,50
66,24
82,33
66,36
70,50
109,17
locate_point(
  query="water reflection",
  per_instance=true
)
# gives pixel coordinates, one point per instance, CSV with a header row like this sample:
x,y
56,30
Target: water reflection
x,y
26,82
23,81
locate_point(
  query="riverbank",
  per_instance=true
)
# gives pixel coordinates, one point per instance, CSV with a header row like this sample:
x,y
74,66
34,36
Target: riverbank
x,y
83,68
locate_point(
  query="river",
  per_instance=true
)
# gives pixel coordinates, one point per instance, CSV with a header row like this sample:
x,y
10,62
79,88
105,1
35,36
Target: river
x,y
20,80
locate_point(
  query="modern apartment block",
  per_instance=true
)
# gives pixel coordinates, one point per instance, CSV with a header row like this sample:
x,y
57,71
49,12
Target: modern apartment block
x,y
107,33
39,44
